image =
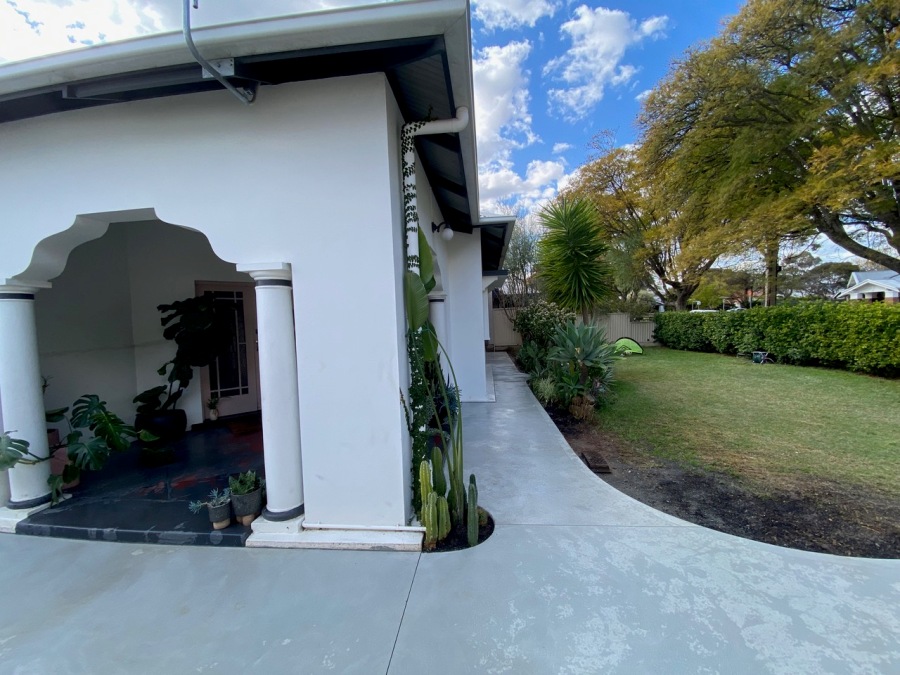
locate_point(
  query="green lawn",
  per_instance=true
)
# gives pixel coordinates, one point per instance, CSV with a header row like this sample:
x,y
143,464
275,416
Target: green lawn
x,y
773,425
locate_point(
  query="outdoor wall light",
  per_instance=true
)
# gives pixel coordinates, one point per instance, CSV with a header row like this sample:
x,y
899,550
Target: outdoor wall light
x,y
447,234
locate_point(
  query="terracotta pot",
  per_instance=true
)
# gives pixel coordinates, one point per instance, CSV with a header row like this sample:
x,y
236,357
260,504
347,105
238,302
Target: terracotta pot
x,y
58,462
59,458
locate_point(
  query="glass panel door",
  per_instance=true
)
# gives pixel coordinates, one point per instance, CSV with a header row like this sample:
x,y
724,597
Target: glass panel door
x,y
233,377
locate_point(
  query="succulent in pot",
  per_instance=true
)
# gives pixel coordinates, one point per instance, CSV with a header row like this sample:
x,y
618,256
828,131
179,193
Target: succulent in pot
x,y
246,496
212,405
218,505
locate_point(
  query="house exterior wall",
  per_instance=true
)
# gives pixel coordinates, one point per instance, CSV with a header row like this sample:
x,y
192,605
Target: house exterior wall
x,y
466,314
305,176
84,327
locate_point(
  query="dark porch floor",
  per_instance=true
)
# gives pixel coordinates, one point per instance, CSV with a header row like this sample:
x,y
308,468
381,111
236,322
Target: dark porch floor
x,y
131,501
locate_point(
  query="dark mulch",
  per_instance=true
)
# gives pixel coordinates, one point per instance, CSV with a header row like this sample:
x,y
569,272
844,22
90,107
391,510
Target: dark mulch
x,y
818,516
458,539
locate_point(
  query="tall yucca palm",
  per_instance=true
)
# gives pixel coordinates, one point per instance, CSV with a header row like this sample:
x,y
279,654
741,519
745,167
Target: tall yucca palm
x,y
571,256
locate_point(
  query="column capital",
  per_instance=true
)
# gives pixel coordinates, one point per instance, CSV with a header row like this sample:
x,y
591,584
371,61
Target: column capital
x,y
267,271
20,289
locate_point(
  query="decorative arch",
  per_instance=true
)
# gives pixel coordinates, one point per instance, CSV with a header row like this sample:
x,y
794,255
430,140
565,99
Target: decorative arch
x,y
51,253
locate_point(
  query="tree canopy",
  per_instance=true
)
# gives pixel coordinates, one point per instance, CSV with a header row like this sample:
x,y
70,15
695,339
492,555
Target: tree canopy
x,y
786,124
652,246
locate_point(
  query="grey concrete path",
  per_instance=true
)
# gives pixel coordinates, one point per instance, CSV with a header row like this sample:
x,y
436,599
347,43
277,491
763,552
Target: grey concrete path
x,y
577,578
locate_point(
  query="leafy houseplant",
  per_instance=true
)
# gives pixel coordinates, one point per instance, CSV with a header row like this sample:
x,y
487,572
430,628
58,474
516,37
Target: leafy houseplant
x,y
94,434
246,496
218,505
199,327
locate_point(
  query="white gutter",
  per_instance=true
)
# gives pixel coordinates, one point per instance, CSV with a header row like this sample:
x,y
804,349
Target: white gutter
x,y
410,201
346,26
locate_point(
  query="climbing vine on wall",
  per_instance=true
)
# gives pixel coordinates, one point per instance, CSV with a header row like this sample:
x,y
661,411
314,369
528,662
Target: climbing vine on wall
x,y
441,504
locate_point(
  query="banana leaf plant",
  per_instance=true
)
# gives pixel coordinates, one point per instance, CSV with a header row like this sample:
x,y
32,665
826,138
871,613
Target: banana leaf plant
x,y
416,289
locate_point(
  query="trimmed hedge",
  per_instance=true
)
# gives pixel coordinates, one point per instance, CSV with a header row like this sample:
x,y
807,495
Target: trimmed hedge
x,y
856,336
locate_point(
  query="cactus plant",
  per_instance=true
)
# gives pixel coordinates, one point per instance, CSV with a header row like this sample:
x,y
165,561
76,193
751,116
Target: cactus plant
x,y
472,512
425,481
443,512
430,519
437,465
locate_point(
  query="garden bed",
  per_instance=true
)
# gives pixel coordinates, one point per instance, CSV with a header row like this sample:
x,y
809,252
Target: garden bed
x,y
823,516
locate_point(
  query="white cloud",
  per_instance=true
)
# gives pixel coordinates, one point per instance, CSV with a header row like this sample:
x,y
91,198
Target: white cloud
x,y
644,94
507,14
501,102
29,28
501,186
599,39
559,148
505,125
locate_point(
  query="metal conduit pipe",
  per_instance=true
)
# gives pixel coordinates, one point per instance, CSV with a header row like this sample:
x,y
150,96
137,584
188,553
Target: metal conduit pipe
x,y
246,97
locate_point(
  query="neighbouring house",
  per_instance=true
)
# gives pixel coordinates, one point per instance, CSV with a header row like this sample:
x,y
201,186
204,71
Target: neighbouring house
x,y
875,286
129,177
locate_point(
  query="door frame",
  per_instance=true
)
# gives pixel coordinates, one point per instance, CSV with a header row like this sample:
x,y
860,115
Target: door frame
x,y
252,341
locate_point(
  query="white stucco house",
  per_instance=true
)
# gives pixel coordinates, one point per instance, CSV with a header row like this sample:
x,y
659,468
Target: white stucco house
x,y
129,179
873,286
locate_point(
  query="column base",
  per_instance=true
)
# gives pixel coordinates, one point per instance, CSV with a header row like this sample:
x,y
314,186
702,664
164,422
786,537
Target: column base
x,y
292,534
9,518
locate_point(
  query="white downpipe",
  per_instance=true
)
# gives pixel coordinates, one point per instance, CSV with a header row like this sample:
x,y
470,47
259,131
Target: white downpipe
x,y
410,131
451,126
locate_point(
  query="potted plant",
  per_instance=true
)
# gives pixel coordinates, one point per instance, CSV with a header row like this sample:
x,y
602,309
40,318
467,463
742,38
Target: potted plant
x,y
94,434
199,328
246,496
212,404
218,505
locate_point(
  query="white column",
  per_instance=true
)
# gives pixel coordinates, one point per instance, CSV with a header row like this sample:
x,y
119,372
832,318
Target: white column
x,y
488,297
437,314
278,390
21,397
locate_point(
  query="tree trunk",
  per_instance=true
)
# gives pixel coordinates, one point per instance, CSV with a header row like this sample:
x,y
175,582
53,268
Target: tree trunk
x,y
771,257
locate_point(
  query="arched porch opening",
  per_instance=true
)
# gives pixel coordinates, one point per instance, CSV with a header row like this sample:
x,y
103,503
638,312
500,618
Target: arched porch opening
x,y
94,289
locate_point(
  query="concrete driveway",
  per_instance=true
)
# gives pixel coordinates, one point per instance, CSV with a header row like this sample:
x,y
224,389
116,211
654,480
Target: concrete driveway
x,y
577,578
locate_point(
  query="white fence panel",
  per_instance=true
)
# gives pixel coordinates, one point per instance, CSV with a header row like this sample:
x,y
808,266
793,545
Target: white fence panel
x,y
614,325
502,332
620,325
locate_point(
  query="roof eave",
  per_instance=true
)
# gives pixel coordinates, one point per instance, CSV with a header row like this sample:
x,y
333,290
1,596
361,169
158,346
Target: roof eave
x,y
357,25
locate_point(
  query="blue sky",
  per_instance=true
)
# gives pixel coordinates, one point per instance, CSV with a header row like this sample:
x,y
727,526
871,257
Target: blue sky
x,y
549,74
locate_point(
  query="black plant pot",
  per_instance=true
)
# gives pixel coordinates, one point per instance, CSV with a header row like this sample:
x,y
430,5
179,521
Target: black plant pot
x,y
168,425
220,516
247,506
